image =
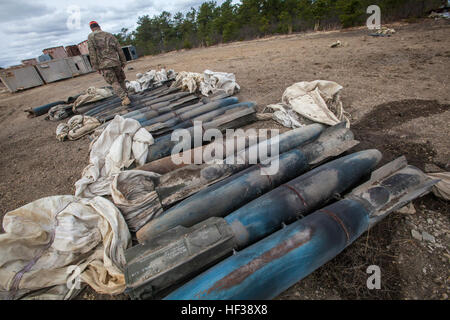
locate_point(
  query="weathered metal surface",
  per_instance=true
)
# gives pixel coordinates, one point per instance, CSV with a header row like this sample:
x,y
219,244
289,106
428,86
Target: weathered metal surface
x,y
266,214
29,62
54,70
130,52
20,78
83,47
163,145
159,108
239,189
73,51
38,111
270,266
191,111
114,102
300,196
205,117
186,119
163,96
163,262
78,65
197,178
140,101
56,52
155,110
102,105
166,165
87,62
392,187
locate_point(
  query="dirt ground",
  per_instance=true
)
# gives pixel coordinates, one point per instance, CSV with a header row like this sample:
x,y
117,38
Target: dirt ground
x,y
396,90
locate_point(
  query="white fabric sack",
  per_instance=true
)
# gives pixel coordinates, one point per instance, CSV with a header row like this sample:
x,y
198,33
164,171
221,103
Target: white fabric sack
x,y
313,100
121,143
285,116
133,191
149,79
92,94
54,242
309,102
214,82
188,81
209,82
77,127
133,86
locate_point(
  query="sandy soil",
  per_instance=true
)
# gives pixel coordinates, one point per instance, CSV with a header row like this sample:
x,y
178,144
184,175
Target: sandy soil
x,y
396,90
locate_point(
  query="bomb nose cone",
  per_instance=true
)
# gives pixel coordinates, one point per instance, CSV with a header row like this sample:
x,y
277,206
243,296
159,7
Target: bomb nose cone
x,y
363,160
374,153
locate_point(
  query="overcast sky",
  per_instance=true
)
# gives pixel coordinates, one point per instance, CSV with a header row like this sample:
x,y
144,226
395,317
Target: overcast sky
x,y
28,26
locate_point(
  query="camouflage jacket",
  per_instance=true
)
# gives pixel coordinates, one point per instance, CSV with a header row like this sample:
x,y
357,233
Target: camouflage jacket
x,y
104,50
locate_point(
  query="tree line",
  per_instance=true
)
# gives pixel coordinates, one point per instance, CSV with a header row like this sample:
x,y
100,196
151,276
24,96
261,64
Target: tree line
x,y
211,23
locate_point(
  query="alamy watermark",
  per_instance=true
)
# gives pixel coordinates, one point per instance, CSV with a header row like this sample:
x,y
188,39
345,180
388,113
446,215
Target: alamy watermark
x,y
374,280
374,21
73,21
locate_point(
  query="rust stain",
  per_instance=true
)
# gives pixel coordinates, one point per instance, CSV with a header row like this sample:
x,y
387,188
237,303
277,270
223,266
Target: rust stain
x,y
336,218
268,176
297,193
237,276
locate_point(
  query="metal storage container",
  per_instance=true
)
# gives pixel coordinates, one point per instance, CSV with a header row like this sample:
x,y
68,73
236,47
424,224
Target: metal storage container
x,y
19,78
56,52
87,62
55,70
79,65
44,57
83,47
130,52
29,62
73,51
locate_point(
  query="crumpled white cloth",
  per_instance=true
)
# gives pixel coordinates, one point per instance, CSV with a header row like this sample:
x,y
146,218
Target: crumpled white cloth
x,y
121,143
284,116
310,102
209,82
59,112
57,244
133,192
76,127
214,82
188,81
149,79
92,94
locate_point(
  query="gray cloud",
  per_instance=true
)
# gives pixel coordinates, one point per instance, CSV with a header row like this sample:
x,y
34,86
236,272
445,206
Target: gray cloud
x,y
21,9
27,26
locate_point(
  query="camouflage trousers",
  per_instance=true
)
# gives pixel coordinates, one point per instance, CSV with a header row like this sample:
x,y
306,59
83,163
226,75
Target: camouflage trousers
x,y
116,78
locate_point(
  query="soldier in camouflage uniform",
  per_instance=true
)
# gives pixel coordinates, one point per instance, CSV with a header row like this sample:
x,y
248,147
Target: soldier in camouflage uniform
x,y
108,58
